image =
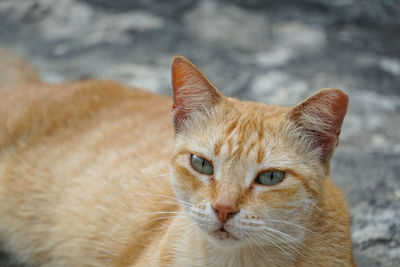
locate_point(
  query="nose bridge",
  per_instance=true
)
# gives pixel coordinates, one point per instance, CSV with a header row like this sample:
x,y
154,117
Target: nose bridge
x,y
227,196
228,185
226,202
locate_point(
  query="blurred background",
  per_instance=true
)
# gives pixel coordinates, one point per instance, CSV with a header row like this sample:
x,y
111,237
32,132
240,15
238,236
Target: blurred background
x,y
274,51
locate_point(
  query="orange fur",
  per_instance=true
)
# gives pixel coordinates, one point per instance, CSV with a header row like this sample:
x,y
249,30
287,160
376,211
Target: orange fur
x,y
89,177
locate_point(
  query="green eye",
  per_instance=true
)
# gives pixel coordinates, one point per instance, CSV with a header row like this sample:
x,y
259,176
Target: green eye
x,y
270,177
201,165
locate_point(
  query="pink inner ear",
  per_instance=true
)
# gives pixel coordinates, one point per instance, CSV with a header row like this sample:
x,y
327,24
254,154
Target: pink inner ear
x,y
192,91
321,116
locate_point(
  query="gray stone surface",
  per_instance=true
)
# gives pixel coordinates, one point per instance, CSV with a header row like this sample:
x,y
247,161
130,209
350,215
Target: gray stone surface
x,y
272,51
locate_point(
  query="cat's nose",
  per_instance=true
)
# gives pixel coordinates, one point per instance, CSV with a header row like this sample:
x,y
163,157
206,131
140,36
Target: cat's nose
x,y
225,211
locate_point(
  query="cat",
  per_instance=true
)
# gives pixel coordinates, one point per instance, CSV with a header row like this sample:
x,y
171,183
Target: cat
x,y
93,173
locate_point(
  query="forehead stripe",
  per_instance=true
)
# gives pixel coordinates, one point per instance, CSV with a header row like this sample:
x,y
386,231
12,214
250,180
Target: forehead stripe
x,y
260,155
217,147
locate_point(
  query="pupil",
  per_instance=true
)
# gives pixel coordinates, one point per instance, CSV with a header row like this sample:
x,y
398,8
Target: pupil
x,y
203,162
271,175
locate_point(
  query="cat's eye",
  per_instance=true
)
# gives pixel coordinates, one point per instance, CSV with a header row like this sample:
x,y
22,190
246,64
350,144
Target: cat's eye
x,y
270,177
201,165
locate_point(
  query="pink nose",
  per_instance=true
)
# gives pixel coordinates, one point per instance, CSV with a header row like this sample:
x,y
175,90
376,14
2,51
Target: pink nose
x,y
224,212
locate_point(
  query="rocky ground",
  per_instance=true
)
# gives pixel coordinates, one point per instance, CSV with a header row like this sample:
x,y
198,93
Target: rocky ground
x,y
273,51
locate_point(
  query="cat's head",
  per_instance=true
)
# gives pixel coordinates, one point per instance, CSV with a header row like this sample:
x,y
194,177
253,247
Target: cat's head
x,y
246,172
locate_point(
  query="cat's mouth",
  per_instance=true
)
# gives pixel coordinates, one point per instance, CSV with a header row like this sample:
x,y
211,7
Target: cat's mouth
x,y
223,234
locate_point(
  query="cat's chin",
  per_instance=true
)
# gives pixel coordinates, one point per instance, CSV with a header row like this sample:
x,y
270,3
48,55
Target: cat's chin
x,y
222,234
224,239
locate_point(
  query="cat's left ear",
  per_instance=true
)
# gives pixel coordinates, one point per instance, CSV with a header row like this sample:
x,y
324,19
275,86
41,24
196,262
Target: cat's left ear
x,y
192,91
320,119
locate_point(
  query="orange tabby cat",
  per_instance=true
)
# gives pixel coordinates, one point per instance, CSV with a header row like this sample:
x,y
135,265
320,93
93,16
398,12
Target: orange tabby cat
x,y
89,176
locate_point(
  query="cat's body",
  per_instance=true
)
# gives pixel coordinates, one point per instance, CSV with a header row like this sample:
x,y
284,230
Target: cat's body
x,y
85,180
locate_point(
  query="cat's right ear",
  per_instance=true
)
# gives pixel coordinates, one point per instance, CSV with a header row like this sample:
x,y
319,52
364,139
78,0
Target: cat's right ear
x,y
192,91
320,118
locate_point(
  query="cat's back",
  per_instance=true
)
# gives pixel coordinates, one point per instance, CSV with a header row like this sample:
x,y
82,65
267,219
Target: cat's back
x,y
75,162
32,109
88,114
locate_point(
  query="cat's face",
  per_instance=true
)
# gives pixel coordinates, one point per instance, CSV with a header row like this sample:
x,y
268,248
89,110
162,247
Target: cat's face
x,y
241,156
246,173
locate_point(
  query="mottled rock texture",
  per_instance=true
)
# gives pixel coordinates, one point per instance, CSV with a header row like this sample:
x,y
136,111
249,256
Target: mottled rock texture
x,y
277,51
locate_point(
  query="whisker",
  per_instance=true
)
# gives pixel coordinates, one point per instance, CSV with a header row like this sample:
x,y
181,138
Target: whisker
x,y
249,241
268,234
157,219
290,241
160,212
321,211
172,202
293,224
263,251
287,242
250,246
165,196
280,233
